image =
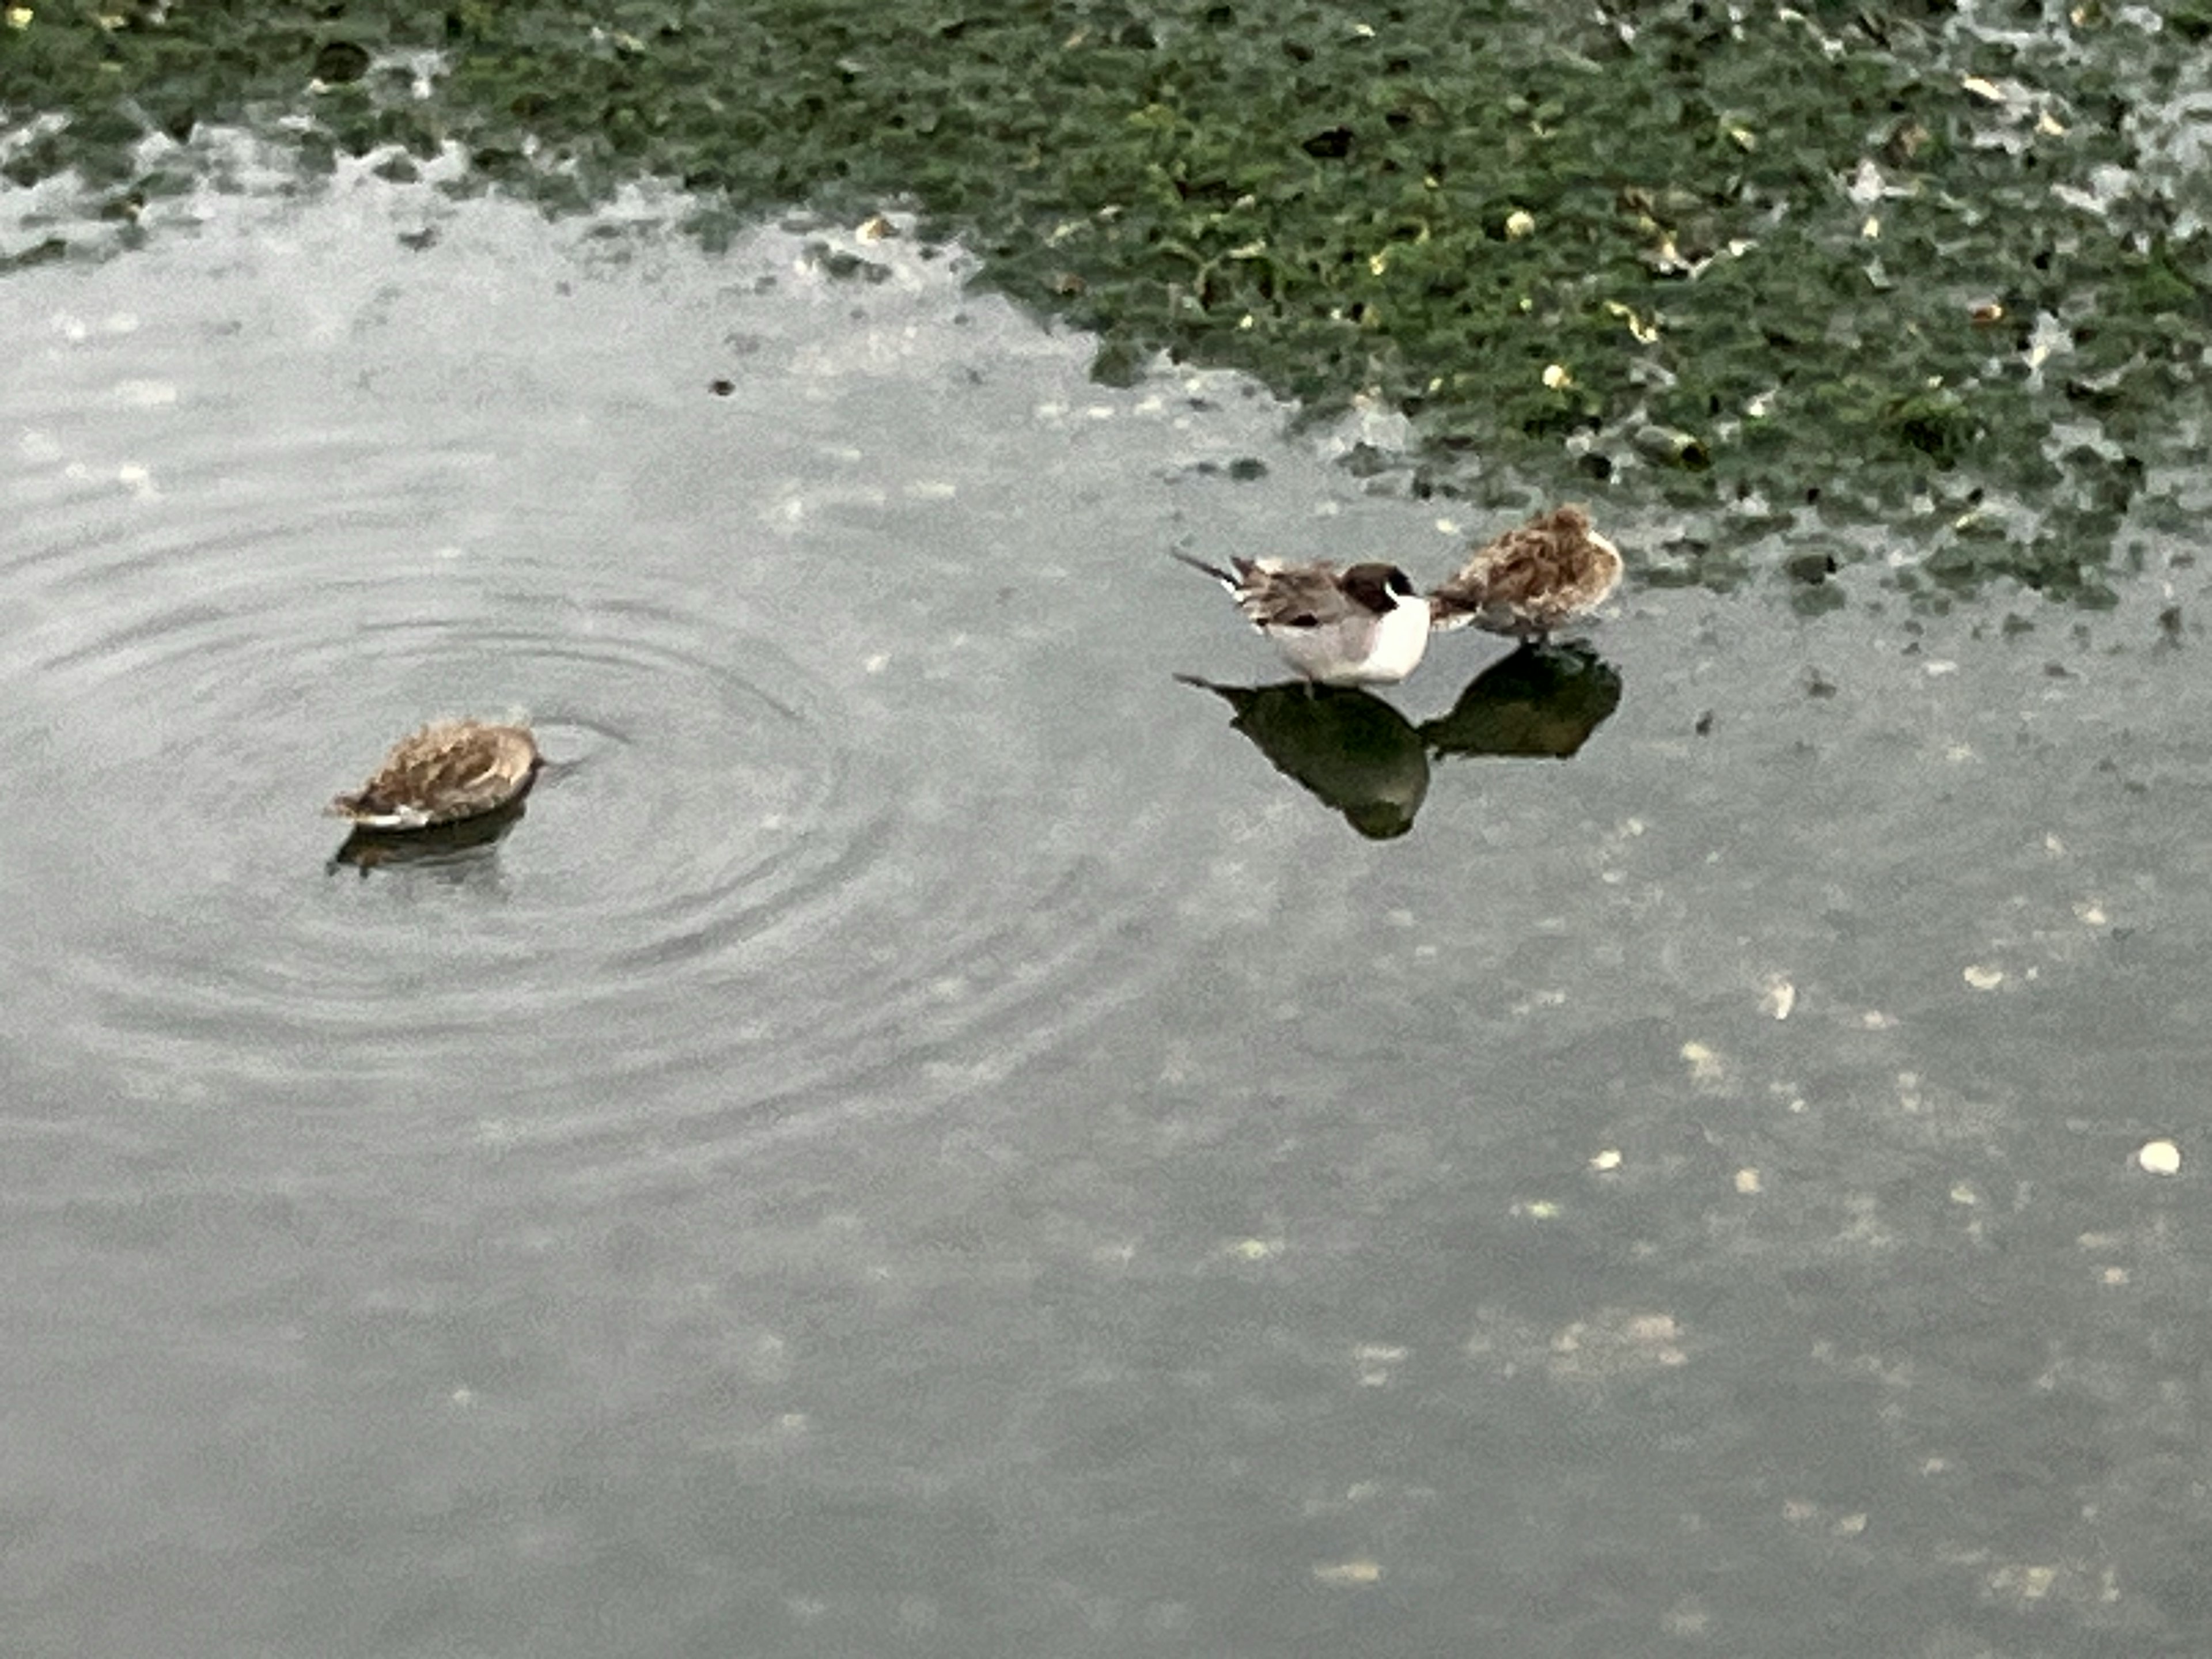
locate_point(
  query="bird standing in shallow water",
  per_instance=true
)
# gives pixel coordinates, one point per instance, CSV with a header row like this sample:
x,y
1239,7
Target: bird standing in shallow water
x,y
1534,579
448,771
1367,625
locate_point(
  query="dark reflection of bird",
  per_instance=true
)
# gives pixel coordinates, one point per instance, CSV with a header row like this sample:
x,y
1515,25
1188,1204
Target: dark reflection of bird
x,y
1351,750
1532,581
1365,626
448,771
453,846
1540,700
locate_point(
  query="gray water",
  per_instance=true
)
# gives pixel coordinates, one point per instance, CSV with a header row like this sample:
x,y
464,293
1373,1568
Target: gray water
x,y
926,1138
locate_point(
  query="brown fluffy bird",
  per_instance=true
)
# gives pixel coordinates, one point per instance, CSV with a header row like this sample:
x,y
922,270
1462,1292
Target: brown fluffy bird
x,y
1534,579
448,771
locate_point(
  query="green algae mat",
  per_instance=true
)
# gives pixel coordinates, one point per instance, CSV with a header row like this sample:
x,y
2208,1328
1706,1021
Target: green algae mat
x,y
1919,271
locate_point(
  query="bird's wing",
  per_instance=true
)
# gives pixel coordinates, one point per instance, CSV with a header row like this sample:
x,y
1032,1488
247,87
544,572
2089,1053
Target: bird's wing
x,y
1299,596
446,766
1519,565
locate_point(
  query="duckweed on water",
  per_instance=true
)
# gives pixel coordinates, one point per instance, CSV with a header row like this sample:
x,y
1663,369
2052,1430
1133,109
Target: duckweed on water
x,y
1749,256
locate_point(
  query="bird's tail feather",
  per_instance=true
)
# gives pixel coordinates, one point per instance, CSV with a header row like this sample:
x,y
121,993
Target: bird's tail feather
x,y
1223,577
1448,614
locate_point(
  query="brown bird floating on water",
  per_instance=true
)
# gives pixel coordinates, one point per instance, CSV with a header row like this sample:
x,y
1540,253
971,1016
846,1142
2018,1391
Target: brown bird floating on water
x,y
448,771
1534,579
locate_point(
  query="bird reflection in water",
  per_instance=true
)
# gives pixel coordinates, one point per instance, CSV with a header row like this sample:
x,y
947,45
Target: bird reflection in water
x,y
1360,756
1354,751
1542,700
459,853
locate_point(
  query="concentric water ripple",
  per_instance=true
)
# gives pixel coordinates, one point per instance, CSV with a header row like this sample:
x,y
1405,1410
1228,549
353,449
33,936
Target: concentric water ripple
x,y
719,884
762,886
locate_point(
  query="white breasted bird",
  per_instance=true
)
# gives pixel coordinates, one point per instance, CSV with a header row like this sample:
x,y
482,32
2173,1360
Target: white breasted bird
x,y
1367,625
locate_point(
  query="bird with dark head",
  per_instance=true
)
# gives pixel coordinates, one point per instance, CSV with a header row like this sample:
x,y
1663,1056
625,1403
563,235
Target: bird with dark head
x,y
1367,625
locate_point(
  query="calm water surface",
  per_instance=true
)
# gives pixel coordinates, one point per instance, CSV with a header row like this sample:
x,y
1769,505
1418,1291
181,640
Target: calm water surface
x,y
931,1136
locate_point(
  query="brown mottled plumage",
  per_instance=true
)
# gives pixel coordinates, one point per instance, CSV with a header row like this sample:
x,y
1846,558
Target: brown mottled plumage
x,y
1536,577
448,771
